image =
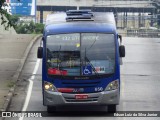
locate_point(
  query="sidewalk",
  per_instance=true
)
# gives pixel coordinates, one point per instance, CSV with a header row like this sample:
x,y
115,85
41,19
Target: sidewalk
x,y
13,52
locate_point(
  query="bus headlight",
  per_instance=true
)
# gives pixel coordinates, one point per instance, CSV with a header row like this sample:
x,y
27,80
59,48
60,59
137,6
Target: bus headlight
x,y
50,87
112,86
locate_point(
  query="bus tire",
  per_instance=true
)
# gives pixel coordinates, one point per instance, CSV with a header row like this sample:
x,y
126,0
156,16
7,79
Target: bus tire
x,y
51,109
111,108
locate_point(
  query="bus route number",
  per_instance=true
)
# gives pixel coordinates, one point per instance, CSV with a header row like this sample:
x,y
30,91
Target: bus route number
x,y
98,89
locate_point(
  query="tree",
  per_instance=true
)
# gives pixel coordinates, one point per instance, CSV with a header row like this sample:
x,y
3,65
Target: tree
x,y
14,20
4,14
39,28
29,28
20,26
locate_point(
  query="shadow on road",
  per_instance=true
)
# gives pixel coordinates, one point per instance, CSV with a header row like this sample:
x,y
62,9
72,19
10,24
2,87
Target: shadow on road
x,y
81,111
80,114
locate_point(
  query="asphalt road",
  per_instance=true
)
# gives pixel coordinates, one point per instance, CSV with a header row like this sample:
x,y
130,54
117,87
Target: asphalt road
x,y
140,85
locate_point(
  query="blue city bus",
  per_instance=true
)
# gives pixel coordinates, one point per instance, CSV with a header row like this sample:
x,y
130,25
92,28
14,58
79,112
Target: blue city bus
x,y
81,56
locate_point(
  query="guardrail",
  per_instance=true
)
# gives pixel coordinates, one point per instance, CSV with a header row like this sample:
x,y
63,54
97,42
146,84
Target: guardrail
x,y
144,34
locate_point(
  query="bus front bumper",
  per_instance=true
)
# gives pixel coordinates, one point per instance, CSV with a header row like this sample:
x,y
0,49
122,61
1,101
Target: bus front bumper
x,y
100,98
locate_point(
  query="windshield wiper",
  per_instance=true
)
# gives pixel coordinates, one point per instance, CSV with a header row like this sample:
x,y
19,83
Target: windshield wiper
x,y
59,62
86,58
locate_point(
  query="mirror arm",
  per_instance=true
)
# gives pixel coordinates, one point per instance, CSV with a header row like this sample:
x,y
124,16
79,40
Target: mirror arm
x,y
41,41
120,37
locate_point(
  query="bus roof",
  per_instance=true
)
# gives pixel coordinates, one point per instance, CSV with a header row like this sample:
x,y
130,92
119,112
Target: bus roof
x,y
60,22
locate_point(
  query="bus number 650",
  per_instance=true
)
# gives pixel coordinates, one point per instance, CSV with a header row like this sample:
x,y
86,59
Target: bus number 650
x,y
97,89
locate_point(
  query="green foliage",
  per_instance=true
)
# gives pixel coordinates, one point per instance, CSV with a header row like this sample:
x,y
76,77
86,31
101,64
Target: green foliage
x,y
4,22
14,19
29,28
4,14
22,27
39,28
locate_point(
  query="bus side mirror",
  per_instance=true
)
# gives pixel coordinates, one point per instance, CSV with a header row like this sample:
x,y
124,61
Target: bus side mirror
x,y
40,52
122,51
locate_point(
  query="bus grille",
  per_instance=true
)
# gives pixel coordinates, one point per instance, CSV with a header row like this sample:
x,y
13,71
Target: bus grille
x,y
73,84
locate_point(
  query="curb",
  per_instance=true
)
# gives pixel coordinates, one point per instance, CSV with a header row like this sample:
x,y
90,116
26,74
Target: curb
x,y
17,74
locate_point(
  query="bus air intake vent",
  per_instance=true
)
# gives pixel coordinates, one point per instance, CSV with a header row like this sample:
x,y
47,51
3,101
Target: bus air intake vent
x,y
79,15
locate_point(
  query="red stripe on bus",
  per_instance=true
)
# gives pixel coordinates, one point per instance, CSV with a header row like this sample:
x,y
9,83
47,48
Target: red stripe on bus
x,y
66,90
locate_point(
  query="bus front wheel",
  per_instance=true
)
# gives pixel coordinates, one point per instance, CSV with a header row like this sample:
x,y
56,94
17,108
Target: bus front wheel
x,y
111,108
51,109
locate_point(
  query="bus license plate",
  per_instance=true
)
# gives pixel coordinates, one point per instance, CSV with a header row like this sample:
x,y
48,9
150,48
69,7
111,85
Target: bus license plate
x,y
81,96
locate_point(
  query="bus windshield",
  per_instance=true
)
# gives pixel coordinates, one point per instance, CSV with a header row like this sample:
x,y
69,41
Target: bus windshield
x,y
80,54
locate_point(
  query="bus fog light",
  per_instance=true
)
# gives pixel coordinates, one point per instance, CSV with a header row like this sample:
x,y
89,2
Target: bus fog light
x,y
112,86
50,87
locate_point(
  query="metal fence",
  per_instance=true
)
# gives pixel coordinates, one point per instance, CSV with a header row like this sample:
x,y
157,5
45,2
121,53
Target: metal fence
x,y
143,33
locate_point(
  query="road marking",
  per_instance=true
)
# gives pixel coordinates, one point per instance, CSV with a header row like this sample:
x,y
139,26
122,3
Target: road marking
x,y
122,94
30,87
